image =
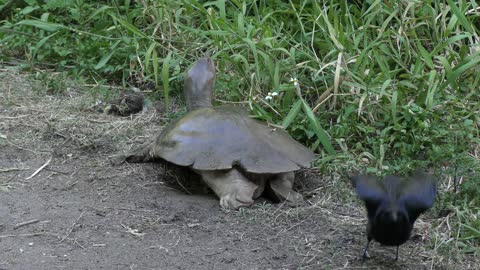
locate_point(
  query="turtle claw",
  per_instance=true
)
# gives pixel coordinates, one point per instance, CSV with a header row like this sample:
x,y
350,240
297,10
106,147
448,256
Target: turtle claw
x,y
294,198
282,185
233,189
231,201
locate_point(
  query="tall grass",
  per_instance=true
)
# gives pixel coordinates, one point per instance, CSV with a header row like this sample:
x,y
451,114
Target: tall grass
x,y
382,85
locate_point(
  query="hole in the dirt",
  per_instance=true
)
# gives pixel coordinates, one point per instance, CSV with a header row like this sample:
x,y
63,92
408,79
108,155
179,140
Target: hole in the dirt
x,y
307,181
181,179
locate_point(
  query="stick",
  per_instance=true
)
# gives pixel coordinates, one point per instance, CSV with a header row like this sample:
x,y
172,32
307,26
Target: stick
x,y
57,171
21,235
12,169
184,188
39,169
14,117
11,178
129,209
132,231
73,226
21,224
19,147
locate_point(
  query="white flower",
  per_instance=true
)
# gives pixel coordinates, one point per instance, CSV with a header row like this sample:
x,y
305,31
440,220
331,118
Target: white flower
x,y
270,95
295,81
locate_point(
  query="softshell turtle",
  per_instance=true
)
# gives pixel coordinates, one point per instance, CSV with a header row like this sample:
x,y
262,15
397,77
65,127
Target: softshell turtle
x,y
238,157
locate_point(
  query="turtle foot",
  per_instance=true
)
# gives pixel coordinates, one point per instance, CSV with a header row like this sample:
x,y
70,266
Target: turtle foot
x,y
230,201
282,185
233,189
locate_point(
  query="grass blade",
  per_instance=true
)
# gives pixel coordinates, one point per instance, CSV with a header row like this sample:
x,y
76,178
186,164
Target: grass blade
x,y
165,77
104,60
47,26
129,26
292,114
460,16
321,134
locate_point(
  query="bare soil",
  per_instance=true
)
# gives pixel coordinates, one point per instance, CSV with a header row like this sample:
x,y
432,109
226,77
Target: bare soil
x,y
80,212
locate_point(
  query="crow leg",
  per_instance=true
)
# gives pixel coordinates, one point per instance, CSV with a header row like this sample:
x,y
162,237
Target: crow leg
x,y
365,252
396,256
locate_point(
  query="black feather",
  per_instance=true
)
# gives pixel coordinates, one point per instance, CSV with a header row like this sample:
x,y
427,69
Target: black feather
x,y
393,205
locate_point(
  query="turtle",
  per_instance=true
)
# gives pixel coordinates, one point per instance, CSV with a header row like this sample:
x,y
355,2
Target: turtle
x,y
238,157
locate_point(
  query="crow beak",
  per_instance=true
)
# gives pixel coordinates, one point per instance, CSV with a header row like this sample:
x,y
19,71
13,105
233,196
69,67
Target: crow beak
x,y
394,216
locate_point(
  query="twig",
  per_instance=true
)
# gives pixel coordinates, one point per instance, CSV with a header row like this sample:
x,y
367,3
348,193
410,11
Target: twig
x,y
21,235
14,117
134,171
21,148
104,85
129,209
39,169
21,224
132,231
270,106
70,186
181,185
73,226
61,135
323,97
12,169
278,208
231,102
295,225
11,178
98,121
76,242
57,171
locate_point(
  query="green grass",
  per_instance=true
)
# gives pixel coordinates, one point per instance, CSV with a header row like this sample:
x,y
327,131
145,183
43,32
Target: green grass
x,y
383,86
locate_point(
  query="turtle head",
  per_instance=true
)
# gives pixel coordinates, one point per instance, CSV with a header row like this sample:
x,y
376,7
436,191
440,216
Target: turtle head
x,y
199,81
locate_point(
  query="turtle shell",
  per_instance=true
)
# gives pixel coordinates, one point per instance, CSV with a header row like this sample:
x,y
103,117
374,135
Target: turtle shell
x,y
222,137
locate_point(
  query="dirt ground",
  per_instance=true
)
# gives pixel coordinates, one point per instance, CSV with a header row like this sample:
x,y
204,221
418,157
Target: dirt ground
x,y
80,212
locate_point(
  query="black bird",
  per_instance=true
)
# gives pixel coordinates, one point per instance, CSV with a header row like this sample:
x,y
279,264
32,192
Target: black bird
x,y
393,205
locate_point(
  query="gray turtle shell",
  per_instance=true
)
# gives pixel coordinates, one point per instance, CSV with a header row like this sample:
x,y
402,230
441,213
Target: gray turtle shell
x,y
222,137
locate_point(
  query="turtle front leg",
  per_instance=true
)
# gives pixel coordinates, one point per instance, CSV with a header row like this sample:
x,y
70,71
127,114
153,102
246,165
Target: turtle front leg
x,y
282,187
142,154
233,189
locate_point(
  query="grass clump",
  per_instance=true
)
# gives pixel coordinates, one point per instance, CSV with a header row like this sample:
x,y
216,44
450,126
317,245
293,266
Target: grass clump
x,y
381,86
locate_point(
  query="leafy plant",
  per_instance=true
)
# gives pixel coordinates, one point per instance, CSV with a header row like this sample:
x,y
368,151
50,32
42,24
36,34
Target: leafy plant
x,y
390,84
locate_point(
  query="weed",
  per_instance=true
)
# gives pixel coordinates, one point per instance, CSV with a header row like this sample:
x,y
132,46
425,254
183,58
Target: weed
x,y
51,83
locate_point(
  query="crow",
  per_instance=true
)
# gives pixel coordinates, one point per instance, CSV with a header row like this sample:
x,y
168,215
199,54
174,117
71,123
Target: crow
x,y
393,205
